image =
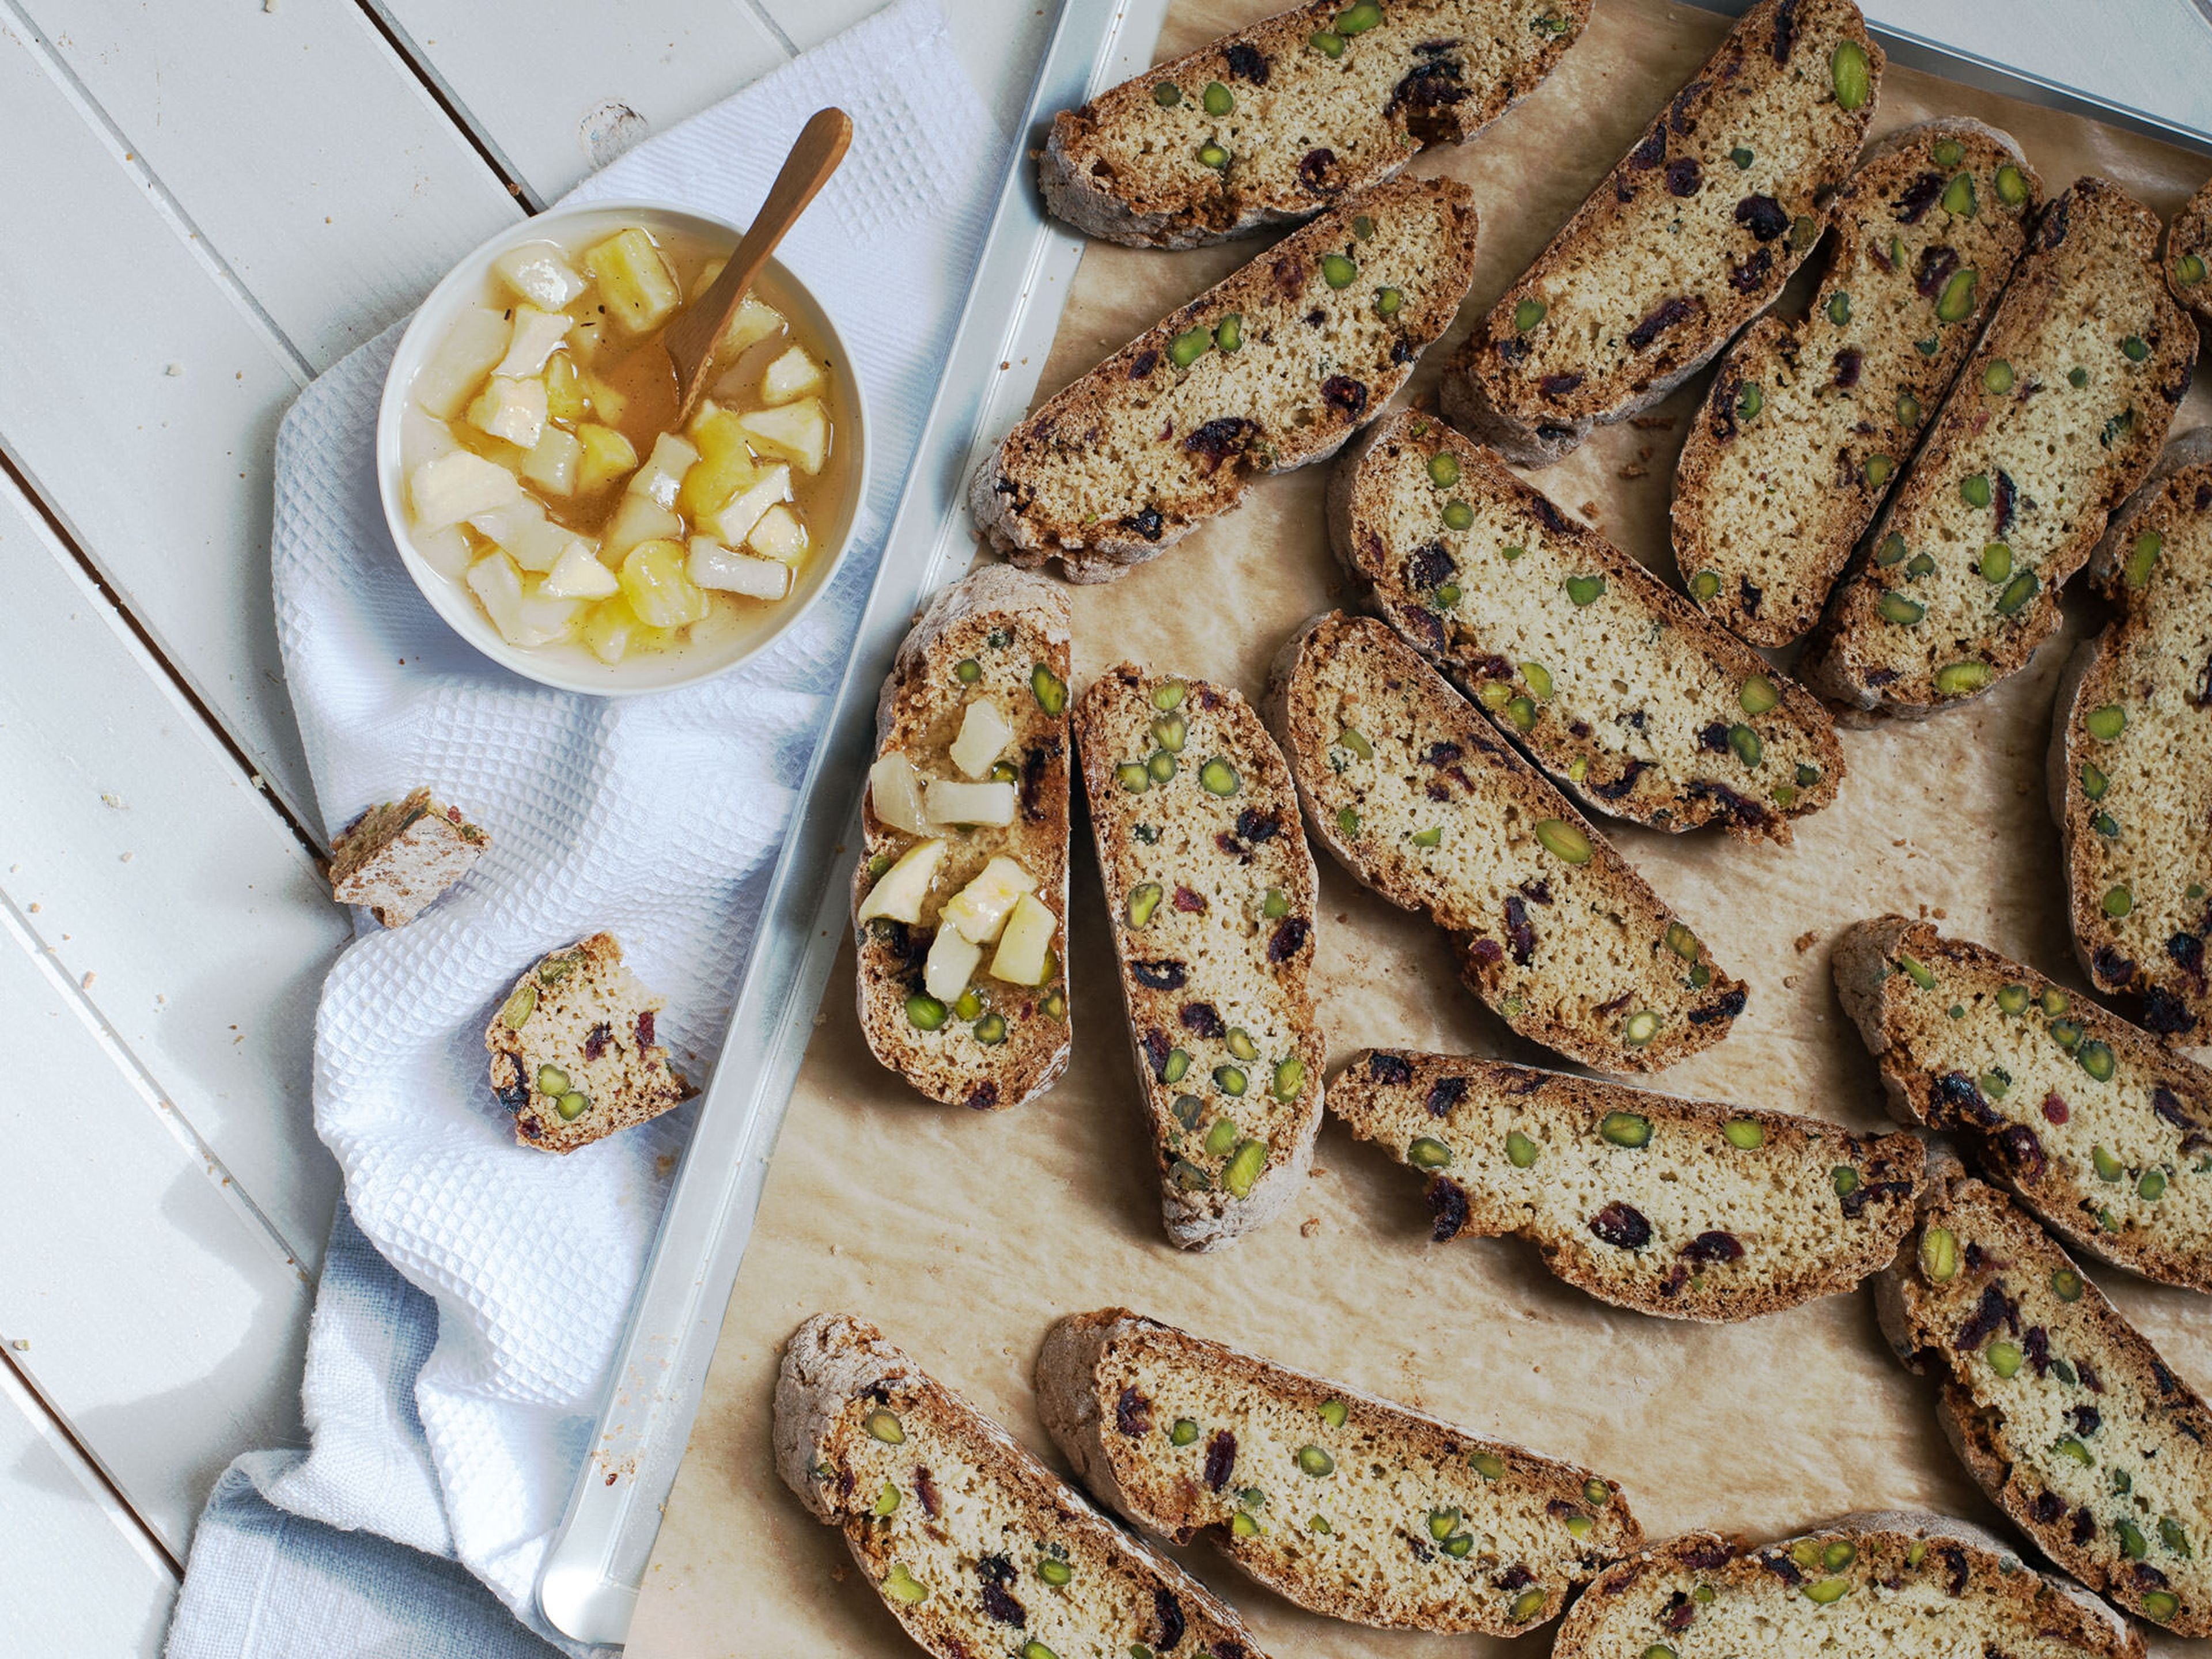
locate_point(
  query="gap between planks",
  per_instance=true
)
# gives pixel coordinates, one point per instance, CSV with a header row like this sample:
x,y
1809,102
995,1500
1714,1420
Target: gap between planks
x,y
35,1406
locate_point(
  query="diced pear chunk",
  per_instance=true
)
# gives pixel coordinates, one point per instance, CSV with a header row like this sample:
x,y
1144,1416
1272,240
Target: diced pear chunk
x,y
1025,948
459,486
725,467
540,273
950,965
423,437
513,410
781,534
639,518
607,402
984,734
538,335
640,290
522,617
477,340
609,458
526,534
612,630
578,574
734,523
948,802
554,461
446,552
565,399
547,618
794,374
655,582
799,432
980,910
661,479
895,795
712,565
754,321
899,893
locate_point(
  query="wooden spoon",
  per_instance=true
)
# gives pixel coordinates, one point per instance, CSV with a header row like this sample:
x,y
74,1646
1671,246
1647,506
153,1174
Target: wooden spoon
x,y
692,337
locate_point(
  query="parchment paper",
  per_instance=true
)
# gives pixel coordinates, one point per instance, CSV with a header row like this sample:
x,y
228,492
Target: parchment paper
x,y
965,1236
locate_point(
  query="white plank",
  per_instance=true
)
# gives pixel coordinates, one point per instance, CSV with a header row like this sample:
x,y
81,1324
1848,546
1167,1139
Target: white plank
x,y
556,91
141,1301
999,42
78,1576
134,852
300,147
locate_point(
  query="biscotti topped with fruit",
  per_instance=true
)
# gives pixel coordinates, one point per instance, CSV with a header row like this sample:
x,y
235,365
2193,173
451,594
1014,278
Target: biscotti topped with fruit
x,y
1347,1505
2131,769
2058,414
1808,421
1212,893
1691,235
1896,1585
1415,794
2059,1408
961,893
1612,683
398,858
972,1543
1280,120
2103,1133
2188,254
1688,1209
1272,369
572,1051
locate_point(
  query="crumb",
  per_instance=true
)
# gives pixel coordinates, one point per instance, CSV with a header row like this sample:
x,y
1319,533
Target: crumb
x,y
1588,509
1652,422
1923,912
85,982
1316,1171
1310,1226
174,370
1633,472
1940,913
1789,982
35,907
837,1573
1900,841
1803,942
1644,451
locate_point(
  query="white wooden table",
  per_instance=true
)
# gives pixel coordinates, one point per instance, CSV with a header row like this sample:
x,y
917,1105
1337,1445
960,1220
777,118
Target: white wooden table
x,y
205,204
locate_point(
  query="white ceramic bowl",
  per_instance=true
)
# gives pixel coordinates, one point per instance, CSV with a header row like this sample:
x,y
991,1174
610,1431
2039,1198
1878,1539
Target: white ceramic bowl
x,y
571,667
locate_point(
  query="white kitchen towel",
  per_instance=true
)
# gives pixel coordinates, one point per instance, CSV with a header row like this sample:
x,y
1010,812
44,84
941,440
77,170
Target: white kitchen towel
x,y
654,817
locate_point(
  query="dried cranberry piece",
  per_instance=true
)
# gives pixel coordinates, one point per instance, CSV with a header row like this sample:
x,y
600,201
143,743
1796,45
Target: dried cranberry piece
x,y
2166,1013
1447,1209
1749,277
1936,264
1217,440
1519,937
1621,1225
1663,316
515,1096
1428,565
2048,1507
1614,788
1916,199
1517,1577
1961,1101
2021,1150
1159,976
1346,395
1848,365
2087,1419
644,1029
1855,1201
2085,1526
982,1098
1221,1459
1444,1094
2004,499
1558,385
1248,62
1148,524
1763,216
1167,1612
1684,176
2054,1109
2187,952
1157,1046
1288,939
1996,1310
1202,1018
1650,151
1132,1412
1714,1246
1392,1069
1143,364
1190,903
1725,1007
1785,30
1315,167
1486,951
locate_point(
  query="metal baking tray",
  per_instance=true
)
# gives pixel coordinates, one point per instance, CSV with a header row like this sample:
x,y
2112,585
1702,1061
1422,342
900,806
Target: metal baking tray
x,y
588,1587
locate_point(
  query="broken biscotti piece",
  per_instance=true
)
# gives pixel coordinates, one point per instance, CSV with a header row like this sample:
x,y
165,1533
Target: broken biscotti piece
x,y
2103,1132
1211,892
1808,421
960,898
2059,1408
1607,677
1415,794
974,1545
1271,370
1286,118
2131,766
1688,1209
2058,414
398,858
1691,236
2188,254
572,1054
1347,1505
1897,1585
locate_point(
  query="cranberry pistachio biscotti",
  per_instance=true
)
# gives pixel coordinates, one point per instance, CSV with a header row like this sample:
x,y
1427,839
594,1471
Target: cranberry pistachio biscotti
x,y
1212,893
2102,1131
2060,1409
1278,121
1346,1504
2058,415
1691,235
2130,768
1270,370
1420,800
973,1545
960,898
1687,1209
1600,671
1809,420
2188,255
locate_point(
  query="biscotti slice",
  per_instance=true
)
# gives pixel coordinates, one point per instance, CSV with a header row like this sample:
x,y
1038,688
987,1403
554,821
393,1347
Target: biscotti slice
x,y
1273,368
2188,254
1411,789
1807,420
2059,1408
1347,1505
2103,1132
1867,1586
977,1551
1688,1209
1279,120
1211,891
1691,235
2131,769
572,1054
400,858
961,893
2057,414
1613,684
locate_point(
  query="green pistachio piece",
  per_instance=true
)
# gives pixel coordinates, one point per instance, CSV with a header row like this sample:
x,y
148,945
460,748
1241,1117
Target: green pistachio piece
x,y
1759,696
2158,1605
1337,270
2012,998
884,1425
1244,1169
1426,1153
2141,556
1537,677
1313,1461
991,1031
2066,1285
1527,1605
1958,678
1742,157
572,1106
1997,378
1327,42
1995,562
1333,1412
1217,99
2152,1186
2134,349
2012,185
1359,19
1290,1078
887,1502
1187,347
1584,590
2118,901
1956,303
924,1012
2108,1167
1218,777
1525,315
1625,1128
1877,470
1169,694
1939,1254
1144,900
1852,76
1744,1133
1386,301
1705,586
1185,1432
1746,744
1520,1151
1166,93
522,1002
1682,942
1840,309
1959,197
1230,1079
1892,550
1273,905
1489,1465
902,1587
552,1080
2105,723
1177,1067
1564,840
1211,154
2132,1543
1458,515
1823,1591
1897,608
1228,332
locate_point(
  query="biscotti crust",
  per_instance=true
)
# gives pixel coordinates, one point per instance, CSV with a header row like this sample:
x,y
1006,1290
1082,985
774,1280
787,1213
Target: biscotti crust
x,y
2057,416
1808,421
1300,128
1680,246
1013,627
1162,435
1541,620
2187,257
